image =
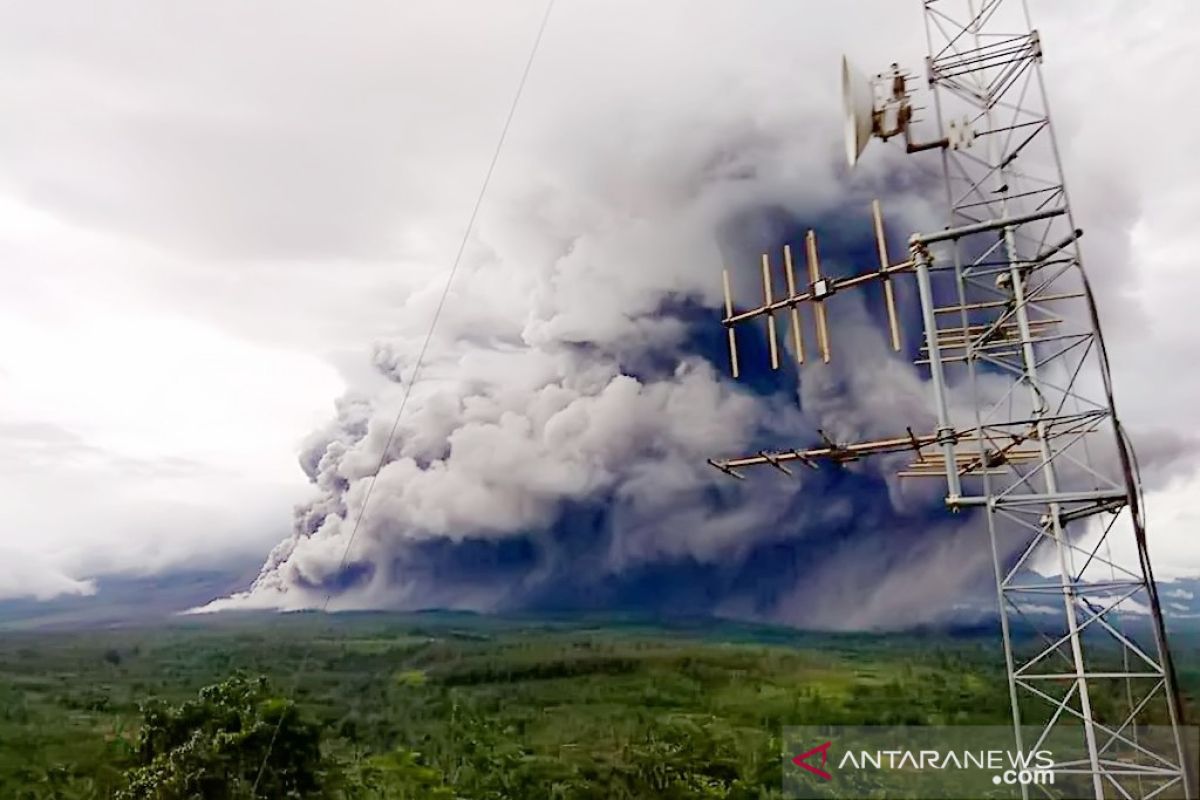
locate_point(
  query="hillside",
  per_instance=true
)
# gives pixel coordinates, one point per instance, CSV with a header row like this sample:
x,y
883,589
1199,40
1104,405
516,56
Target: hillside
x,y
492,706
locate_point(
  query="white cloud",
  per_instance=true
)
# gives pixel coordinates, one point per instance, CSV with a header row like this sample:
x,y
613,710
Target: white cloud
x,y
23,574
135,437
1172,522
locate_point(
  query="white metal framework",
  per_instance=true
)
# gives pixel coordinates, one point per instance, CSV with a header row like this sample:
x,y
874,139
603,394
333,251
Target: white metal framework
x,y
1012,336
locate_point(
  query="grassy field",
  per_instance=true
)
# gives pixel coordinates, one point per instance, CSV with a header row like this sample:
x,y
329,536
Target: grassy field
x,y
497,708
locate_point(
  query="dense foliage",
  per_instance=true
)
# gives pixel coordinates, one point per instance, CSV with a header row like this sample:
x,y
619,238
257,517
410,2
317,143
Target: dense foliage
x,y
453,706
233,741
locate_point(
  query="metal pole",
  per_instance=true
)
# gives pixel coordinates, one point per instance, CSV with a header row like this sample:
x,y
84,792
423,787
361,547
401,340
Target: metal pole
x,y
1060,541
945,433
990,513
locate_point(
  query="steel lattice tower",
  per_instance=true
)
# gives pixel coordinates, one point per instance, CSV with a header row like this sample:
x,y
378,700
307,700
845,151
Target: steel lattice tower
x,y
1027,436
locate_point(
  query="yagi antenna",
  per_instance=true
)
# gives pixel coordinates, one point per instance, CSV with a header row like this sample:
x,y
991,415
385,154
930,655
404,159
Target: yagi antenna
x,y
819,290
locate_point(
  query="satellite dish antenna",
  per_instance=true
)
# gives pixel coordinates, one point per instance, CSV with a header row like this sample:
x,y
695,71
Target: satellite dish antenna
x,y
858,106
880,106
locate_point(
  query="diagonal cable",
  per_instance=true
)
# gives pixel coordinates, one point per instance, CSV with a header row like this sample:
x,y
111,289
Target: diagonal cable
x,y
462,246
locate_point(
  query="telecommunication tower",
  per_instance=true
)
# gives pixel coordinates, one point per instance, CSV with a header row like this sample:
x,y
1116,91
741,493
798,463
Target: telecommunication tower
x,y
1027,436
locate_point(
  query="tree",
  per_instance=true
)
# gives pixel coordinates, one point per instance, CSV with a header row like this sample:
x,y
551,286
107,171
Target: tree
x,y
214,747
397,775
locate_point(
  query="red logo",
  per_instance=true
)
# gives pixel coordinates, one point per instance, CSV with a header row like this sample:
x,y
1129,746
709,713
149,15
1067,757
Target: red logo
x,y
801,761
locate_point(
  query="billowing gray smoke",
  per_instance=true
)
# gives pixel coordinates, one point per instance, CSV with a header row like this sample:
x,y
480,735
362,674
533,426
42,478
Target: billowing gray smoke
x,y
552,453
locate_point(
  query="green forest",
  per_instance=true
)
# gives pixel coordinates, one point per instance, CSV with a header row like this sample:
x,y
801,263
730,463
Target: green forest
x,y
460,706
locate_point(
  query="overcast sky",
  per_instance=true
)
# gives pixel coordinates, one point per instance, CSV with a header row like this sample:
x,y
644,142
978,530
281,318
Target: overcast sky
x,y
211,212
